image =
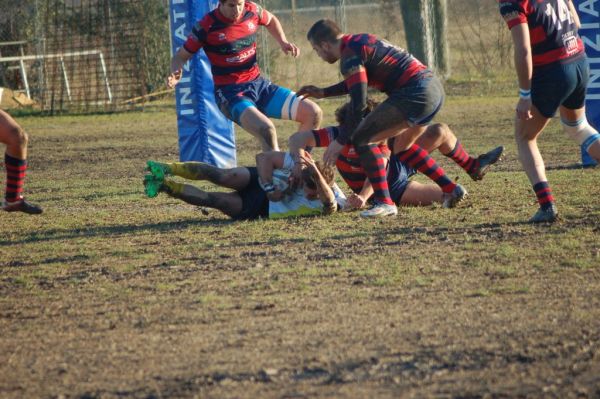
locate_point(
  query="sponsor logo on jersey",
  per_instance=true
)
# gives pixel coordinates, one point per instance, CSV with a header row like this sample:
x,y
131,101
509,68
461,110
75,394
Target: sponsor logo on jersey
x,y
242,56
222,37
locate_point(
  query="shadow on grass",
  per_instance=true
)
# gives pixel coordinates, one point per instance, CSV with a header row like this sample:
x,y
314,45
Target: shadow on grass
x,y
112,231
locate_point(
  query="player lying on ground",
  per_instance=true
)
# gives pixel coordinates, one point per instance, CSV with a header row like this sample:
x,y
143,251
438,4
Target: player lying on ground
x,y
228,36
415,95
266,190
402,191
15,161
553,73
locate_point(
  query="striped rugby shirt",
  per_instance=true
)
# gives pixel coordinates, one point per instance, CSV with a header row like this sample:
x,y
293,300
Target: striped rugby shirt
x,y
230,46
552,30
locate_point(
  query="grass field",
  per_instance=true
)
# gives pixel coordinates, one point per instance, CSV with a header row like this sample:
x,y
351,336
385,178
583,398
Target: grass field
x,y
111,294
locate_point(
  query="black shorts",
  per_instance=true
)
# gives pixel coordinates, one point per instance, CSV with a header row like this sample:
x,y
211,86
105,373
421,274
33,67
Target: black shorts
x,y
560,84
419,100
255,203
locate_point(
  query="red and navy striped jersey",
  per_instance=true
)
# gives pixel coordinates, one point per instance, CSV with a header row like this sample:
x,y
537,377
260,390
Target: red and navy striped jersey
x,y
348,162
552,30
368,61
230,46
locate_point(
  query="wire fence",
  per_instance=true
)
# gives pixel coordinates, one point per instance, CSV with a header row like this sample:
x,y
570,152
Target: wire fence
x,y
98,55
83,55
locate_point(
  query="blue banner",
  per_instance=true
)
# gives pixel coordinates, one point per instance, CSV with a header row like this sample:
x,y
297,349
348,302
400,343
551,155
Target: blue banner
x,y
589,14
204,132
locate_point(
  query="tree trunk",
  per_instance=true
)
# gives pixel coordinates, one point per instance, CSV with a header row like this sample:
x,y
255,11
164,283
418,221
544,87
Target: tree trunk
x,y
417,27
440,42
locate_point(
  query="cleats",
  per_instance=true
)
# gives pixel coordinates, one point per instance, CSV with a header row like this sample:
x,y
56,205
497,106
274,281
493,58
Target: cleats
x,y
484,161
152,185
549,215
22,206
158,169
457,195
380,210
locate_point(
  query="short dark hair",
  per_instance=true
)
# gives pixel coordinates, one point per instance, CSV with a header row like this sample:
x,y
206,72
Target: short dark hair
x,y
310,179
324,30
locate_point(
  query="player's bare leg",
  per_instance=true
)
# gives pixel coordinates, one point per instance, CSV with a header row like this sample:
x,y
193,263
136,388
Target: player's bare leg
x,y
418,194
234,178
309,114
261,127
228,203
526,134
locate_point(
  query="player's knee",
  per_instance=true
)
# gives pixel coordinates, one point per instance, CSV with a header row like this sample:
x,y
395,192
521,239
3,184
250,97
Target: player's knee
x,y
438,131
18,136
581,132
312,114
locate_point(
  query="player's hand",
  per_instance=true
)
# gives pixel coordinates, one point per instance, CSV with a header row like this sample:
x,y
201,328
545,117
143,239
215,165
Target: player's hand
x,y
333,151
174,78
353,202
307,162
524,109
275,196
290,48
310,91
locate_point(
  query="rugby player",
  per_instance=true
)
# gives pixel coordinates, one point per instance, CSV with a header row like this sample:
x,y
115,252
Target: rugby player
x,y
228,36
266,190
15,161
553,73
402,191
415,95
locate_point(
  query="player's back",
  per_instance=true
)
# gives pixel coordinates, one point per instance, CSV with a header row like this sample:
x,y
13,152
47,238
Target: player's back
x,y
552,29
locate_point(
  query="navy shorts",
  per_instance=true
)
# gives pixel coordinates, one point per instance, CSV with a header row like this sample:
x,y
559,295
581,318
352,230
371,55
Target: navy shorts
x,y
560,84
255,203
397,178
419,100
270,99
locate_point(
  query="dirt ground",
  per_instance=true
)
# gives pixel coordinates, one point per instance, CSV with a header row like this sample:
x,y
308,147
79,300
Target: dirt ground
x,y
110,294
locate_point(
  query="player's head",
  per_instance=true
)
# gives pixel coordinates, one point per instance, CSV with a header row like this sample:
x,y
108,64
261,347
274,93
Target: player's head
x,y
341,114
232,9
309,179
324,37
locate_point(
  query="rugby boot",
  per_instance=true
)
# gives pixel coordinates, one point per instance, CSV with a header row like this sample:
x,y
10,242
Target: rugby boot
x,y
152,185
380,210
22,206
158,169
457,195
484,161
548,215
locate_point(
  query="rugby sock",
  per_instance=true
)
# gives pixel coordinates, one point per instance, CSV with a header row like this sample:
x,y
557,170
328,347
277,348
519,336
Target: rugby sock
x,y
192,170
172,187
462,158
15,177
543,194
373,161
419,159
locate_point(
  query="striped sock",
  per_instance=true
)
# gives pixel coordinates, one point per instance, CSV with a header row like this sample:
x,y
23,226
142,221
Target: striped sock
x,y
419,159
373,161
15,177
462,158
544,194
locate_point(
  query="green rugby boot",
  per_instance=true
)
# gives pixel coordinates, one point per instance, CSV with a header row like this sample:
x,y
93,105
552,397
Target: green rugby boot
x,y
152,185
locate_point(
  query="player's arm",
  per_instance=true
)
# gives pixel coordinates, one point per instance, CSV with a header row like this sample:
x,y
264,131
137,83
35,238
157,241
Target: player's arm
x,y
299,141
338,89
524,68
177,62
266,163
325,193
573,11
276,30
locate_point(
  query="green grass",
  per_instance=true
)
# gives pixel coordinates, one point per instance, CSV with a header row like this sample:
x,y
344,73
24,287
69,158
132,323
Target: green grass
x,y
174,299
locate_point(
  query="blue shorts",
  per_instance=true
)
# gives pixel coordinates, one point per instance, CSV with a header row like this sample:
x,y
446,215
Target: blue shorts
x,y
397,178
270,99
419,100
560,84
